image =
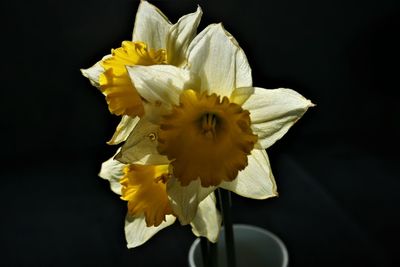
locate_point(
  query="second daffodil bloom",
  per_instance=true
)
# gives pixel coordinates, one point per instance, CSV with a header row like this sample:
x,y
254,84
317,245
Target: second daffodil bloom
x,y
209,123
155,41
149,209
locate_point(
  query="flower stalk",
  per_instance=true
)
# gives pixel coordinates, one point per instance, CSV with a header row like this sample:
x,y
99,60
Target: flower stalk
x,y
209,252
204,243
225,204
213,254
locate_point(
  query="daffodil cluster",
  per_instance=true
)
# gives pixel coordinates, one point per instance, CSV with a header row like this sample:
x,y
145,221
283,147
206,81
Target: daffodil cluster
x,y
191,122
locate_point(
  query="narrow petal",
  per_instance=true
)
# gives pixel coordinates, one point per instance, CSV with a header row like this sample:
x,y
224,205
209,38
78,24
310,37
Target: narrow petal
x,y
123,130
273,112
151,26
180,36
185,199
207,222
256,180
137,233
142,142
93,73
219,61
112,170
161,83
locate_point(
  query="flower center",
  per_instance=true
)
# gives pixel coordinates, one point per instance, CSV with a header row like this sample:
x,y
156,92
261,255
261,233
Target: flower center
x,y
206,138
208,124
115,84
143,186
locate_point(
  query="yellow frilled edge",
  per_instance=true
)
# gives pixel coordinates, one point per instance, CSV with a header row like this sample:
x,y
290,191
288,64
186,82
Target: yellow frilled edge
x,y
121,95
206,137
144,187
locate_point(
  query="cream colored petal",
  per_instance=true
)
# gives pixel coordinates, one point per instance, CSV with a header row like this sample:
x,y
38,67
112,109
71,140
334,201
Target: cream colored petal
x,y
256,180
151,26
154,112
219,61
207,222
141,145
185,200
243,70
93,73
112,170
153,159
273,112
137,233
161,83
240,95
123,130
180,36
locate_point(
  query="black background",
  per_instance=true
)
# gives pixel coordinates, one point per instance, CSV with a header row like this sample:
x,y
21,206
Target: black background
x,y
336,169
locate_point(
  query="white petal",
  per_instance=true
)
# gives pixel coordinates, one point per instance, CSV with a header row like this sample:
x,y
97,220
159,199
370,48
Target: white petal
x,y
256,180
273,112
142,143
153,159
151,26
123,130
154,112
93,73
207,222
180,36
137,233
240,95
219,61
161,83
243,70
185,200
112,170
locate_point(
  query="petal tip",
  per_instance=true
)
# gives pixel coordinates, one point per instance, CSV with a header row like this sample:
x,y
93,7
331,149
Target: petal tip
x,y
199,10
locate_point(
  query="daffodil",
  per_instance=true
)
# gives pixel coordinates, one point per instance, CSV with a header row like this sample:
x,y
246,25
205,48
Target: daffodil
x,y
149,210
155,41
209,123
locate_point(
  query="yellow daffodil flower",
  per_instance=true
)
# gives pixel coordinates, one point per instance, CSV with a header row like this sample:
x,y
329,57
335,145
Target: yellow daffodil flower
x,y
149,210
155,41
209,123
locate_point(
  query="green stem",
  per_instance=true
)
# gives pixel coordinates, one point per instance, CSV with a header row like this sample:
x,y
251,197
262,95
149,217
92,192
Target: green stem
x,y
209,253
213,259
204,243
225,202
